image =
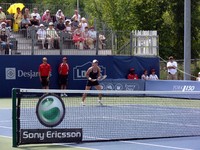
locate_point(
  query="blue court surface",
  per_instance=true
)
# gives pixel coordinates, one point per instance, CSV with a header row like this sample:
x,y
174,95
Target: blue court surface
x,y
183,143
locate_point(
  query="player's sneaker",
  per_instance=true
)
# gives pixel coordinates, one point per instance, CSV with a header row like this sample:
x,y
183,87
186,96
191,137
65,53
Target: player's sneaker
x,y
82,104
100,102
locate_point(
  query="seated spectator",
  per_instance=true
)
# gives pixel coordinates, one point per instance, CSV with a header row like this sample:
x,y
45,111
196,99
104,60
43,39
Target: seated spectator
x,y
36,14
198,78
18,16
52,36
88,42
93,35
5,43
145,75
3,26
46,17
132,75
83,24
59,14
42,35
34,21
27,13
68,27
153,75
25,23
78,38
101,43
60,25
76,16
2,15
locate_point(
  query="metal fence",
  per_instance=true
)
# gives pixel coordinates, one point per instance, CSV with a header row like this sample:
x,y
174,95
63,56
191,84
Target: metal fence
x,y
115,43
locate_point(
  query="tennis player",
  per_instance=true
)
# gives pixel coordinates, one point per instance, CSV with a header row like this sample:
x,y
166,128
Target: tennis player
x,y
63,71
44,73
93,74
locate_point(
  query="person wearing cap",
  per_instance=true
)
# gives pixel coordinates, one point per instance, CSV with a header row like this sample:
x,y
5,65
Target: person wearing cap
x,y
93,74
132,75
42,35
34,21
46,17
3,26
36,14
198,78
44,73
5,43
52,36
59,14
63,71
172,69
153,75
68,26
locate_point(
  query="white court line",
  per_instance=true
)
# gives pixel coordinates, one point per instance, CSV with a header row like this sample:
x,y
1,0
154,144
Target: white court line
x,y
87,148
156,145
5,127
5,136
5,108
5,121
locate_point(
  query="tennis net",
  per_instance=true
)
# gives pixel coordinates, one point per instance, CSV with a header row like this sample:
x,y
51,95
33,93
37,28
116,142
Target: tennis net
x,y
43,116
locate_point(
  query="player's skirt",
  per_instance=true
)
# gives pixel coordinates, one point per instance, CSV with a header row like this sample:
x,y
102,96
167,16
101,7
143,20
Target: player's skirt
x,y
90,83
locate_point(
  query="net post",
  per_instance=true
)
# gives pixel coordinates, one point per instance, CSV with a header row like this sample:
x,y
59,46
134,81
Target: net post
x,y
14,125
14,117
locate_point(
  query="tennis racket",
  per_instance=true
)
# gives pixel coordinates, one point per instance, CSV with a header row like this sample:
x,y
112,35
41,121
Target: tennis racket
x,y
101,78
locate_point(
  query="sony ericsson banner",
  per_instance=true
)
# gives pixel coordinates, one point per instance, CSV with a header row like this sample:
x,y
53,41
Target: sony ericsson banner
x,y
37,136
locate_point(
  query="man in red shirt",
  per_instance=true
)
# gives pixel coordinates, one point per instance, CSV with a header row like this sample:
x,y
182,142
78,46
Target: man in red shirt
x,y
63,71
44,73
132,75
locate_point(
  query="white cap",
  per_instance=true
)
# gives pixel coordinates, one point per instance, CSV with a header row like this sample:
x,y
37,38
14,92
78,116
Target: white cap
x,y
3,23
50,23
41,25
95,61
199,73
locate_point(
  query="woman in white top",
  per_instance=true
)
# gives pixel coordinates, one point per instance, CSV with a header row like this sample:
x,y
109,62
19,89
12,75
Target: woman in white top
x,y
153,75
145,75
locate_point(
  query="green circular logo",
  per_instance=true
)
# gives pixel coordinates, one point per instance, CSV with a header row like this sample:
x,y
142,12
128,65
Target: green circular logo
x,y
50,110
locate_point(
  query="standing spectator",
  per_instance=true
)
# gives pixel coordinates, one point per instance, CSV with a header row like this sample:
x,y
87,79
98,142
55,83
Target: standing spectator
x,y
46,17
198,78
36,14
42,35
59,14
132,75
153,75
44,73
18,18
52,36
63,71
145,75
172,69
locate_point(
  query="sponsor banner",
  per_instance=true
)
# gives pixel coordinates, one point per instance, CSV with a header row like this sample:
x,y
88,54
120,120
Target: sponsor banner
x,y
37,136
173,85
22,71
123,84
